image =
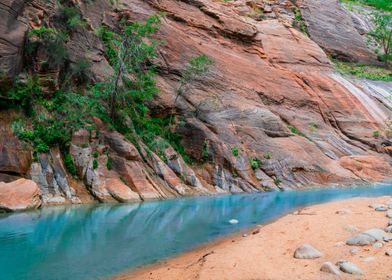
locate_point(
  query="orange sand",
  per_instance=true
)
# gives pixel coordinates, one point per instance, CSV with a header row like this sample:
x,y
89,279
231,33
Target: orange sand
x,y
267,252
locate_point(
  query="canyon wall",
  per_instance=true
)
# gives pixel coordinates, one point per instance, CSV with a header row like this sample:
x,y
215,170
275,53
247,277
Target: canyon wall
x,y
271,95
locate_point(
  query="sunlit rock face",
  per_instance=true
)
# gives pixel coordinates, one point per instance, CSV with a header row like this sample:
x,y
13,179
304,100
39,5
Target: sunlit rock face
x,y
271,95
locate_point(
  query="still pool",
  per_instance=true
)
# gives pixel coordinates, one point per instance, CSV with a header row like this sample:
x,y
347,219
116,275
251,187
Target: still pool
x,y
99,241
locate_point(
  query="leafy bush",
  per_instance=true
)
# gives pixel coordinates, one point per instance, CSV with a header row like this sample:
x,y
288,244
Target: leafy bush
x,y
109,163
72,17
295,130
255,163
363,71
376,134
95,164
69,164
235,151
53,43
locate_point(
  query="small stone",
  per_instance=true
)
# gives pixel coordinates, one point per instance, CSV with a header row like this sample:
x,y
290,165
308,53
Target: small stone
x,y
379,207
389,252
330,268
387,238
390,222
354,251
307,251
244,235
352,229
233,221
349,267
388,229
368,259
378,245
389,213
339,244
257,231
343,211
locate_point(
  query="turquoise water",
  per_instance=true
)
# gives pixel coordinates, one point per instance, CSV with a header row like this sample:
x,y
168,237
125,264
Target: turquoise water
x,y
98,241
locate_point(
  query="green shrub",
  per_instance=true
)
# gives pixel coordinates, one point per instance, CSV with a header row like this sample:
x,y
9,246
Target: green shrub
x,y
109,163
95,164
268,155
72,17
53,43
294,130
255,163
69,164
376,134
277,182
235,151
363,71
95,154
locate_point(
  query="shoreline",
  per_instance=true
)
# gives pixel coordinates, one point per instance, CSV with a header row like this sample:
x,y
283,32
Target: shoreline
x,y
243,255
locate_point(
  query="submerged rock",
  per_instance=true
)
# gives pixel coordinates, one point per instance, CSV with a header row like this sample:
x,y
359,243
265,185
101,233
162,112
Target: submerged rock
x,y
19,195
307,251
233,221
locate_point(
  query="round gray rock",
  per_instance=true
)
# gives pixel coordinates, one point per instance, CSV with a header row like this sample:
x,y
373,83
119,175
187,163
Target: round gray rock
x,y
349,267
389,213
361,240
376,233
307,251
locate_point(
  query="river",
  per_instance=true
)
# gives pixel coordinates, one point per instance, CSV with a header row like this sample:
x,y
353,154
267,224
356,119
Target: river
x,y
102,240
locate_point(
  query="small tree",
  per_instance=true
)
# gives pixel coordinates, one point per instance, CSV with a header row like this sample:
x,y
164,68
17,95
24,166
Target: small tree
x,y
382,33
129,53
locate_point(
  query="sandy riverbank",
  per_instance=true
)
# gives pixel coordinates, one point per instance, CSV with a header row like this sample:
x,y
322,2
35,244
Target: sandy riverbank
x,y
267,251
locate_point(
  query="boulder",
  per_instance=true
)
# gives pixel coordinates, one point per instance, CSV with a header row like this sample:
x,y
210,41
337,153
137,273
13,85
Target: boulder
x,y
349,267
19,195
307,251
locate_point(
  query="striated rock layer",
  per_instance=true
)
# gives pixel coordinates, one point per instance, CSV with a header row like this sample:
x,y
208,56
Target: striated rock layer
x,y
271,95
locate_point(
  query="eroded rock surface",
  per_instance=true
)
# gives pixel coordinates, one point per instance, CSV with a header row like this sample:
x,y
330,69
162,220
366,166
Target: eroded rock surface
x,y
333,28
19,195
269,95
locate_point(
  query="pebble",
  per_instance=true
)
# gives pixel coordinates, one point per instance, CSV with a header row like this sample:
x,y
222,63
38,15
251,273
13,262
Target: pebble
x,y
330,268
389,213
388,229
387,238
352,229
368,259
307,251
354,251
244,235
389,252
378,245
349,267
379,207
233,221
339,244
343,211
390,222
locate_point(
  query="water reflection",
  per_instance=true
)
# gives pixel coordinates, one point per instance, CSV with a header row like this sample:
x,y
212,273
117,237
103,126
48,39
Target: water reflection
x,y
97,241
